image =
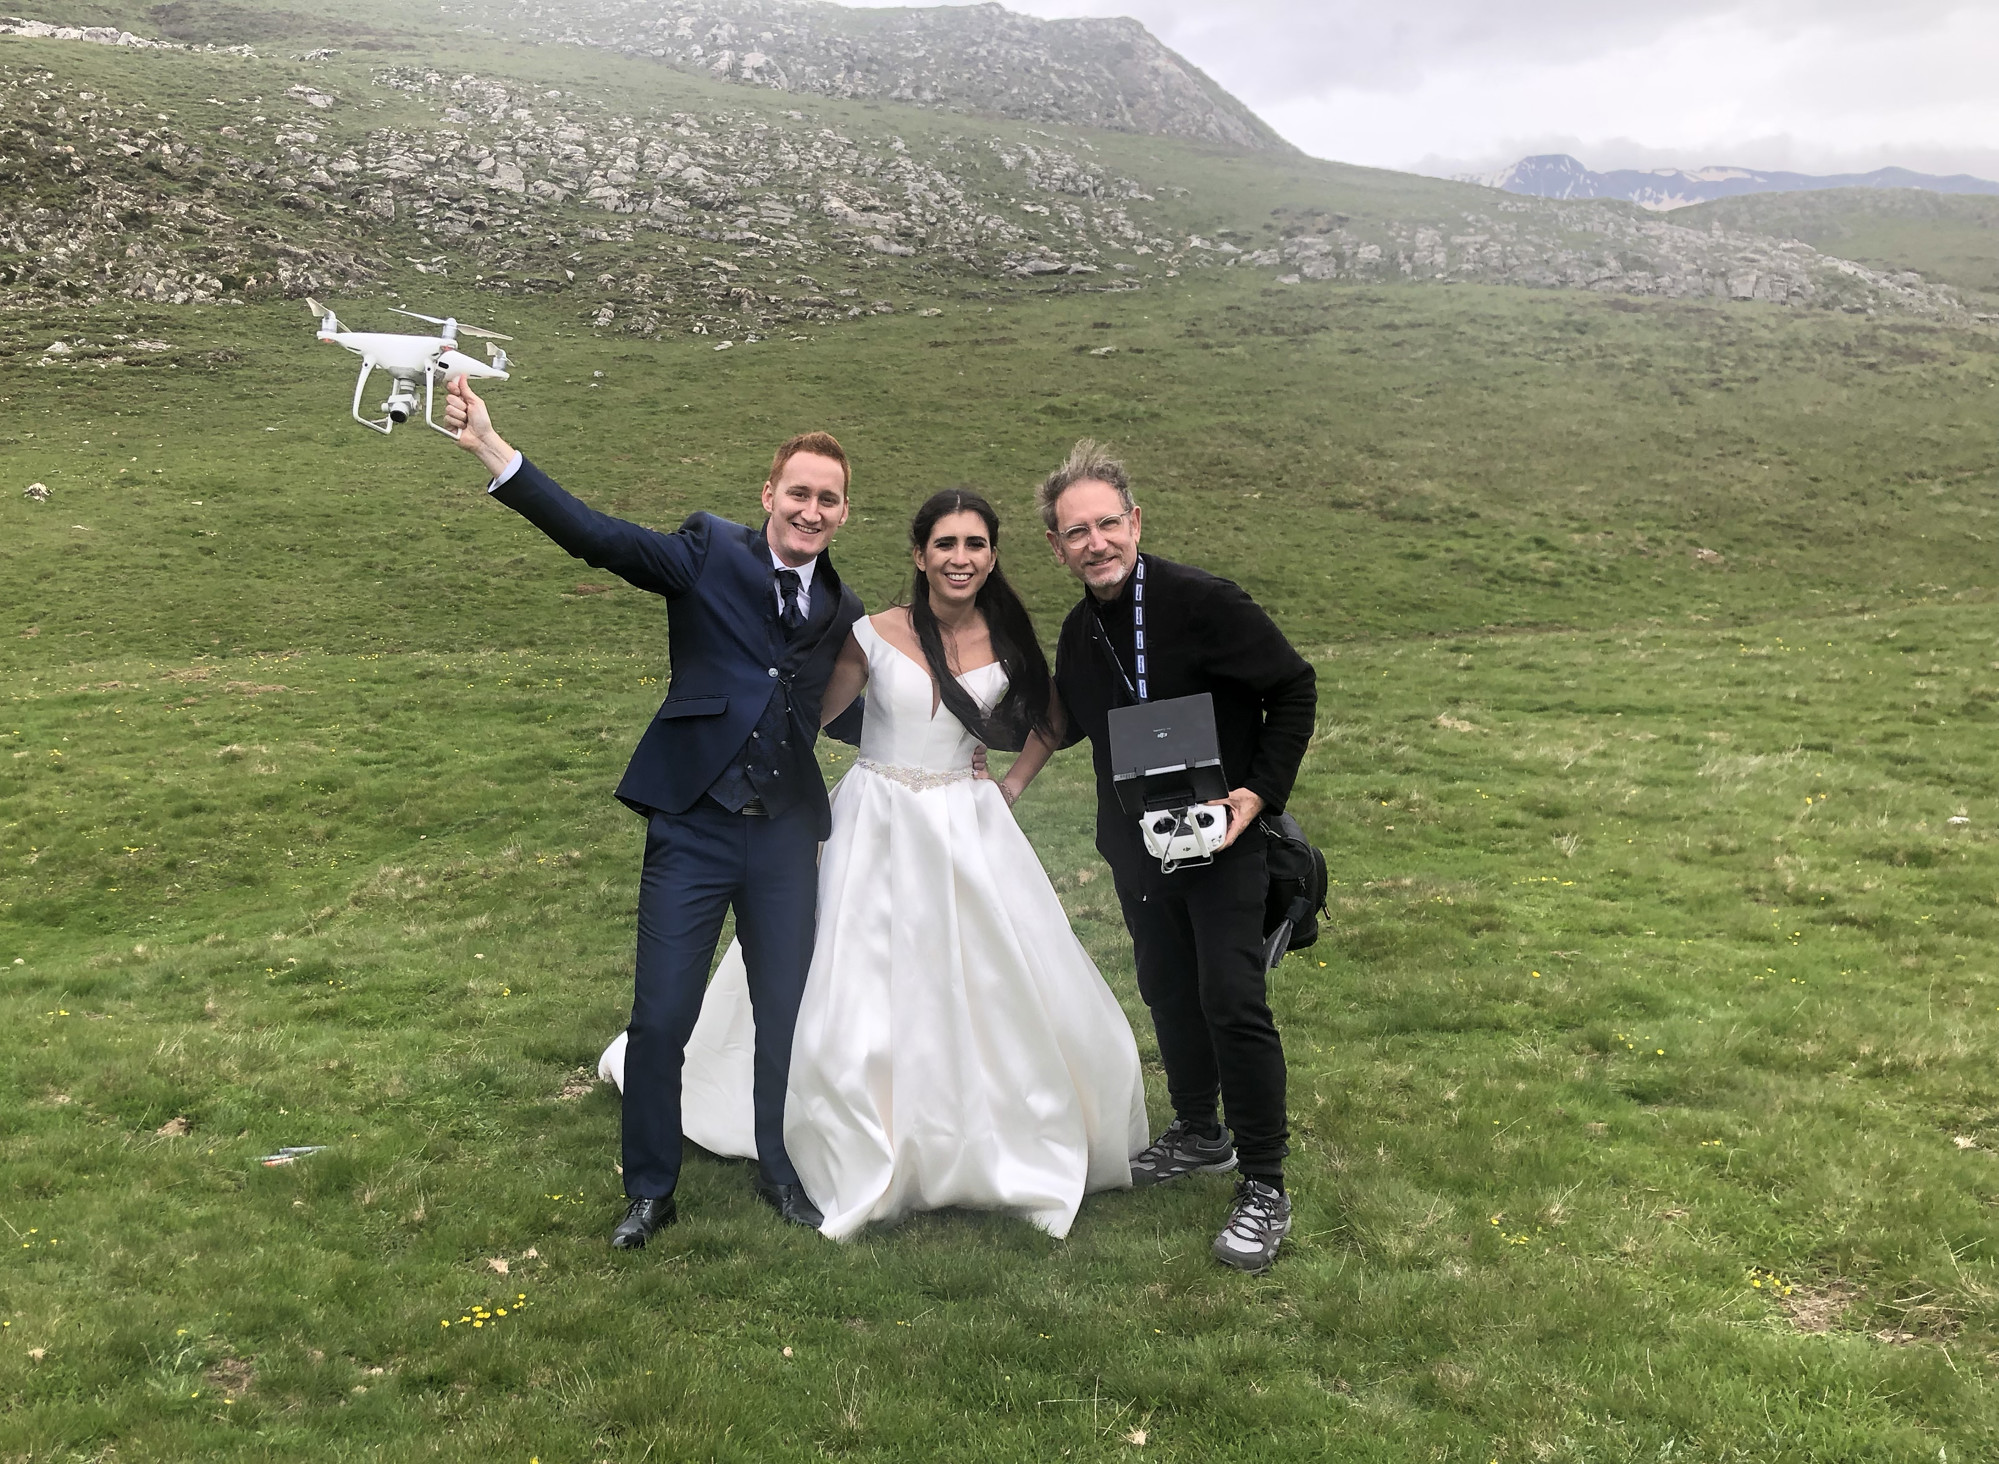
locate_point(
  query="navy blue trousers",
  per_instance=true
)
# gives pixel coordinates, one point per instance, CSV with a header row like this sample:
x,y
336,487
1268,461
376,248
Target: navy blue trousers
x,y
699,865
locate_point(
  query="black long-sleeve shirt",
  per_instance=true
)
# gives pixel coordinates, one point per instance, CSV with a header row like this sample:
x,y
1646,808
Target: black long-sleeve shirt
x,y
1202,633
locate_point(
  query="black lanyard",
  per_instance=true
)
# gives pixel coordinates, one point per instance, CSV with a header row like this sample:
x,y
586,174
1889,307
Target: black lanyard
x,y
1138,692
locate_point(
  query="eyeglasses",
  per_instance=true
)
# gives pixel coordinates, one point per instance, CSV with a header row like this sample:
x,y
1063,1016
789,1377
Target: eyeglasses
x,y
1077,535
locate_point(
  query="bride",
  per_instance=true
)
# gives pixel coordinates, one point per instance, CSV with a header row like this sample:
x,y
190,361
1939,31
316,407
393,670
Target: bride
x,y
955,1045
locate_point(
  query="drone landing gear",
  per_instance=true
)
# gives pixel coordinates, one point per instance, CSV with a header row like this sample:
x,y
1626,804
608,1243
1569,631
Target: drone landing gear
x,y
385,426
429,383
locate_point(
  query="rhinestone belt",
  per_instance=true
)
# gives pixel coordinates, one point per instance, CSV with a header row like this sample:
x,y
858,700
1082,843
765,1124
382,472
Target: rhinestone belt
x,y
917,779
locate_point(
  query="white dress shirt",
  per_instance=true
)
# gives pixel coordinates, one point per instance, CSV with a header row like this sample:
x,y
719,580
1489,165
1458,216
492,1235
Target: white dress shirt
x,y
803,571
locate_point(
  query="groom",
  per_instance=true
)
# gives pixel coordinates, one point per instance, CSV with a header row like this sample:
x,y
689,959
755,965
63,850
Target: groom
x,y
725,777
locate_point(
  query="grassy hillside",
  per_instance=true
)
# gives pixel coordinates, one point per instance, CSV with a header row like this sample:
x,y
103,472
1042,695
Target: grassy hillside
x,y
1639,1104
1951,238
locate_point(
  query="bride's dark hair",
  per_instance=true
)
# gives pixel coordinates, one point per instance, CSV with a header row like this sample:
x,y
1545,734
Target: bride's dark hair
x,y
1024,708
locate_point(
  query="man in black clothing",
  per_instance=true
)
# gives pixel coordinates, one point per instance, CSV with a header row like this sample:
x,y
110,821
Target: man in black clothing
x,y
1197,933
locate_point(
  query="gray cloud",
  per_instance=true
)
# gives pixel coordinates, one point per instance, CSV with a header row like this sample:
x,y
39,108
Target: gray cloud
x,y
1462,85
1273,50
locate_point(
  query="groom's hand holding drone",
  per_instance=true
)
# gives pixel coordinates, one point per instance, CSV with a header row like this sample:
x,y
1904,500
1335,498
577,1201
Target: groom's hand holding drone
x,y
465,414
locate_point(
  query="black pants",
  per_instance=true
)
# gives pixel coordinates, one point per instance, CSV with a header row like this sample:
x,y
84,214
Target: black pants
x,y
1198,937
698,865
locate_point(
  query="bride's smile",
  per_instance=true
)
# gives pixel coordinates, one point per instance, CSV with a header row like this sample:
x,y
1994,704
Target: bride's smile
x,y
957,559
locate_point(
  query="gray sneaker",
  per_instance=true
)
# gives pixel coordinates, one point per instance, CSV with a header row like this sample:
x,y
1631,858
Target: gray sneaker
x,y
1181,1151
1259,1220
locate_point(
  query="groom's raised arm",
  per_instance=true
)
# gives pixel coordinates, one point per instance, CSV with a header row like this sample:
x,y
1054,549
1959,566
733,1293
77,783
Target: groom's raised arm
x,y
663,563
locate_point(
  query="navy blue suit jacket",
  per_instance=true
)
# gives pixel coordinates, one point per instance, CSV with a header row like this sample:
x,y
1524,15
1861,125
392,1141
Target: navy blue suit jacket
x,y
730,653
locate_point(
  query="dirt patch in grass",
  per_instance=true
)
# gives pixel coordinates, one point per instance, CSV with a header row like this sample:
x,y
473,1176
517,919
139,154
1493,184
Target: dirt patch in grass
x,y
232,1375
1818,1308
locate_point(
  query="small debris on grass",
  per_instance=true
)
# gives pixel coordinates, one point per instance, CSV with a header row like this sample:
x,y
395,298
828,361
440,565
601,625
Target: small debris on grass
x,y
1455,724
1964,1141
578,1085
175,1128
1136,1438
37,492
290,1154
38,1353
497,1264
232,1375
1815,1309
1957,819
1708,556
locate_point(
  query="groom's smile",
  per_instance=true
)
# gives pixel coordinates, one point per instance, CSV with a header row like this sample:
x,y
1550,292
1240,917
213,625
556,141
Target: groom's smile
x,y
807,504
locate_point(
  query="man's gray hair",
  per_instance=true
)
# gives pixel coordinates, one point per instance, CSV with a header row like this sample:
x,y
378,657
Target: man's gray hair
x,y
1088,460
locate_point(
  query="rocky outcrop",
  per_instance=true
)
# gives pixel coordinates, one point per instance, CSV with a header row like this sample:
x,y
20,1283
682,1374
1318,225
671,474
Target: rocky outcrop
x,y
102,35
1609,249
736,223
971,58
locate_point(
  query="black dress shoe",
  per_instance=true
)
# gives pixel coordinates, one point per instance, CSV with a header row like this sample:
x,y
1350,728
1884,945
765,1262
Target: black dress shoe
x,y
791,1202
643,1218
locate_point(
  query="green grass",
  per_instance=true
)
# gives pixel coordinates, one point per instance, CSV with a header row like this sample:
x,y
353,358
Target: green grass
x,y
305,837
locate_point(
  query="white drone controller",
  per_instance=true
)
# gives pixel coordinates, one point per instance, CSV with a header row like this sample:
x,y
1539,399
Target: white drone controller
x,y
1185,836
409,358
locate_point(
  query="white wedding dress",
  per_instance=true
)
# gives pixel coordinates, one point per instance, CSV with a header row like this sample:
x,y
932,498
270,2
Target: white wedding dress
x,y
955,1044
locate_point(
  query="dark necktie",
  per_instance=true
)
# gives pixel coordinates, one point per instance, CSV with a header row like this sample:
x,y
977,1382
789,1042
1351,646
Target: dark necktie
x,y
787,595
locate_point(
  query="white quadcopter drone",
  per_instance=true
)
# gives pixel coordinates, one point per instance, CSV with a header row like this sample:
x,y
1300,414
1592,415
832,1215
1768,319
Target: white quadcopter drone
x,y
408,359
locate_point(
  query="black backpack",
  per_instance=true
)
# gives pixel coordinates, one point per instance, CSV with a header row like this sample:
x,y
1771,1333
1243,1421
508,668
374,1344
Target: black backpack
x,y
1297,894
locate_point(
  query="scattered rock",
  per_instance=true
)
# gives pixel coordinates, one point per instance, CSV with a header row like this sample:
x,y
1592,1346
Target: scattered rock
x,y
1708,556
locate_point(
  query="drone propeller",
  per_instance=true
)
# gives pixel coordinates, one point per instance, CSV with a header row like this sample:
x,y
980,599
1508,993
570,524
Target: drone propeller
x,y
325,315
471,330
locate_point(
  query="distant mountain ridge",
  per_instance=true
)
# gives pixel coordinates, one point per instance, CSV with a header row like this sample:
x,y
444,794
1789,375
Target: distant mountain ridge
x,y
1109,73
1557,175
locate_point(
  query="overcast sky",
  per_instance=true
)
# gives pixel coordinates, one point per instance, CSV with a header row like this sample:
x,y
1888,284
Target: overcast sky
x,y
1452,86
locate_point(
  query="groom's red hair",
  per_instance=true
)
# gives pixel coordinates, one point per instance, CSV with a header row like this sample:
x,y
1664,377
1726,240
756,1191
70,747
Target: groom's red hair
x,y
819,444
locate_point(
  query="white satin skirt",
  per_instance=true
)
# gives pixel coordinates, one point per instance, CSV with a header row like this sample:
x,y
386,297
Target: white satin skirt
x,y
955,1045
